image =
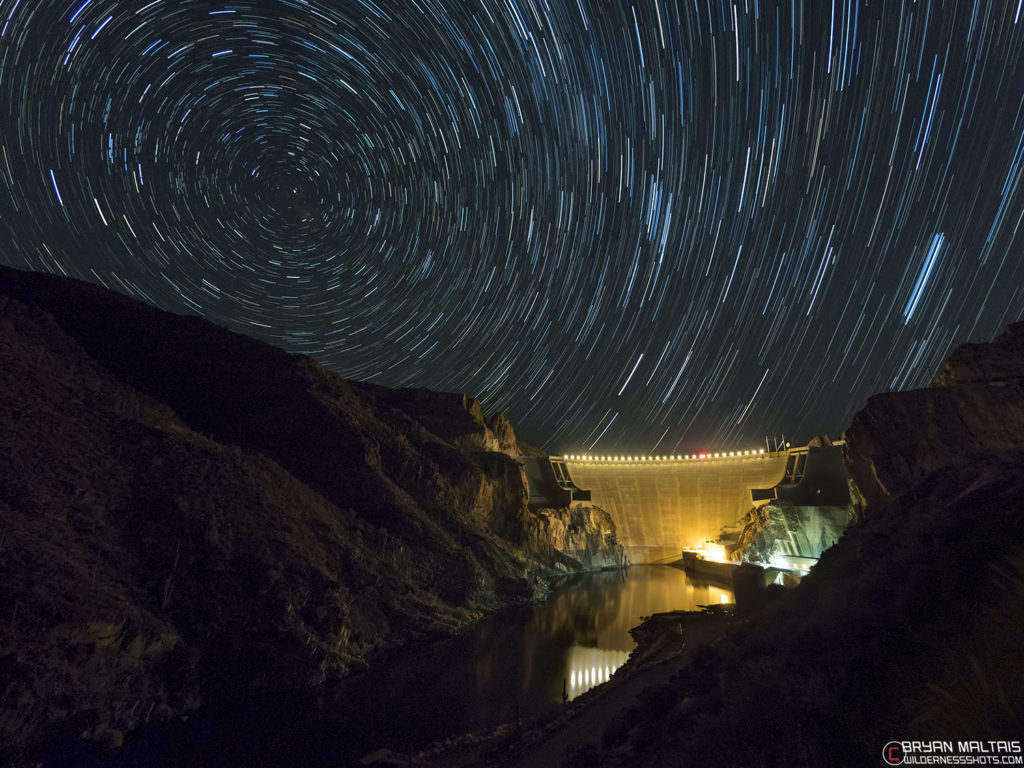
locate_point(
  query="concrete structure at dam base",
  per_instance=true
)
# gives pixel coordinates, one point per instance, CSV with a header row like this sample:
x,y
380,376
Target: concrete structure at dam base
x,y
664,505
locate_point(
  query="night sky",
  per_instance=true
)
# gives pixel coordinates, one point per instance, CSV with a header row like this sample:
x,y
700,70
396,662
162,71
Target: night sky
x,y
654,226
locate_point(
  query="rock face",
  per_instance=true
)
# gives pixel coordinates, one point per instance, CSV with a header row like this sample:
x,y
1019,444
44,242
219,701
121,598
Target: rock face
x,y
584,533
782,528
455,418
190,516
1000,361
974,410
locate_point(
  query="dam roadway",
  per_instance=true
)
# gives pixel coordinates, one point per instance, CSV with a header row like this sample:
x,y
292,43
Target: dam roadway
x,y
661,505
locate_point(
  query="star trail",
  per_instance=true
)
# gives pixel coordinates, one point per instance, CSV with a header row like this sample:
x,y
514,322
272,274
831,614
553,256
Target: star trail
x,y
657,226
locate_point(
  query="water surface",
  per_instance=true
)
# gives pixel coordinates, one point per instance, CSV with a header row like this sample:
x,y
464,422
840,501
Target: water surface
x,y
519,663
523,662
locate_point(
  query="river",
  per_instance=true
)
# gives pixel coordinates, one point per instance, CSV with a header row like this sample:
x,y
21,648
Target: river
x,y
518,663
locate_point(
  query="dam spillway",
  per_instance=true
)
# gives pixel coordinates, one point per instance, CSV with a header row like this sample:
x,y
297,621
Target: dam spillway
x,y
662,505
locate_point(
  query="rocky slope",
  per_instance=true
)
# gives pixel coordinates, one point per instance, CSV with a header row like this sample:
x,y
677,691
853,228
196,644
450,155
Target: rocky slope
x,y
190,516
780,528
910,628
972,412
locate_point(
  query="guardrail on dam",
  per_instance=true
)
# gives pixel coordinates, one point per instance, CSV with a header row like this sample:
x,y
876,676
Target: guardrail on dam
x,y
662,504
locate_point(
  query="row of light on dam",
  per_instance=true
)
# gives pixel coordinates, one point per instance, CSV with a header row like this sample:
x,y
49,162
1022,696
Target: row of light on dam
x,y
683,457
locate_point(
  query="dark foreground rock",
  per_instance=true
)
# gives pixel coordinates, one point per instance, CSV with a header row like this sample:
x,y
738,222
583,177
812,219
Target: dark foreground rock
x,y
190,516
909,628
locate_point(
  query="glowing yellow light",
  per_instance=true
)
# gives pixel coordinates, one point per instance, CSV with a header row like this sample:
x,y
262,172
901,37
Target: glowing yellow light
x,y
761,451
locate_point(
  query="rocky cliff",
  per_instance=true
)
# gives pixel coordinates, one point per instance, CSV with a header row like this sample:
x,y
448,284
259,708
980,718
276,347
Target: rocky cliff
x,y
780,528
973,411
582,532
190,516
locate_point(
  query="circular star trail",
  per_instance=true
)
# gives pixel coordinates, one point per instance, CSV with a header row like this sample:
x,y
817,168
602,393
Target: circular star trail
x,y
653,226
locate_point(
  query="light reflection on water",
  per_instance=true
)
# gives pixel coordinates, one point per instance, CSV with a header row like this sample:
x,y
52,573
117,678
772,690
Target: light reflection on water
x,y
615,603
589,667
516,664
520,663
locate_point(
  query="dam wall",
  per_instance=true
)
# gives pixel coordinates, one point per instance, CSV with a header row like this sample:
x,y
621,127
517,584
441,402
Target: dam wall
x,y
661,505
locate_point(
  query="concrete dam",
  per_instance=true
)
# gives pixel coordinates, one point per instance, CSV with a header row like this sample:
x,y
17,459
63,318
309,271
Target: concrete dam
x,y
662,504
